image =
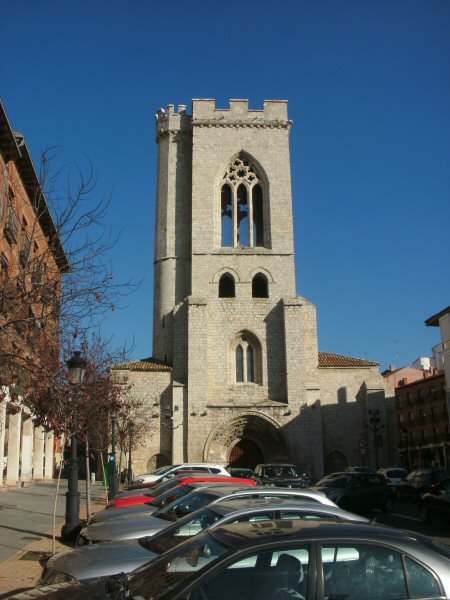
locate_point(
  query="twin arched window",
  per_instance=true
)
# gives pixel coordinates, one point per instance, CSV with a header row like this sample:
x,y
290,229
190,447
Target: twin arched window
x,y
247,359
227,289
242,207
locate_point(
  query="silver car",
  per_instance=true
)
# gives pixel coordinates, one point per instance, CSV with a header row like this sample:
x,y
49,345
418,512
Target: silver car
x,y
110,558
241,492
135,526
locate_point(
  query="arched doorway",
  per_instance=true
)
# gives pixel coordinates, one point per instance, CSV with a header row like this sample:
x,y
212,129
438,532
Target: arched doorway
x,y
248,436
245,454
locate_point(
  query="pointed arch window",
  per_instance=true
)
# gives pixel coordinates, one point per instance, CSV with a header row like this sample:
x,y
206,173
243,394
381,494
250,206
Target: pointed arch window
x,y
239,364
227,286
247,359
243,207
260,286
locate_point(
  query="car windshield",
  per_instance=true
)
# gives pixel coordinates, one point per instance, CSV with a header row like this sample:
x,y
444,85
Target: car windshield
x,y
180,531
183,562
335,481
282,471
160,489
162,470
172,494
184,506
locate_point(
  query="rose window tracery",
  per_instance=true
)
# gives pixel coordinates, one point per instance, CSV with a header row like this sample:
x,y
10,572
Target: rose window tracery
x,y
240,170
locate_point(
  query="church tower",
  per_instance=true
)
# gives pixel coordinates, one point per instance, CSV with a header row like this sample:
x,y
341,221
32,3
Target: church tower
x,y
227,317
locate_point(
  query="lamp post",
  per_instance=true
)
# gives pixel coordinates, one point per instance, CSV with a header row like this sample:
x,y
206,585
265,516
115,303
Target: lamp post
x,y
112,471
77,369
374,425
130,470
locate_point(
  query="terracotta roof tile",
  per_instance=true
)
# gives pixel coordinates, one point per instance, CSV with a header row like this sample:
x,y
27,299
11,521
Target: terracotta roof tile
x,y
145,364
326,359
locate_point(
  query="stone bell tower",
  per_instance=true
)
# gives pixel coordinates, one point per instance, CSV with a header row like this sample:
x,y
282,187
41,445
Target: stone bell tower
x,y
227,317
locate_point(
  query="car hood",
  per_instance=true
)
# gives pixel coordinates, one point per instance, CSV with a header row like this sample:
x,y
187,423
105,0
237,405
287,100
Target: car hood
x,y
99,560
126,511
126,528
285,481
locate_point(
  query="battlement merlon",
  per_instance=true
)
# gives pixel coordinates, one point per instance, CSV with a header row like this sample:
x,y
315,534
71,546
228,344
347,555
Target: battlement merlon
x,y
169,121
205,114
273,113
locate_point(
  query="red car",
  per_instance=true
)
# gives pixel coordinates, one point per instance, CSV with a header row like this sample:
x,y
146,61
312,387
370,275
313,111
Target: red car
x,y
168,495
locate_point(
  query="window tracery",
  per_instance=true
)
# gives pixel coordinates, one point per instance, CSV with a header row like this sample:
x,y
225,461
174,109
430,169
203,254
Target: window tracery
x,y
242,206
247,359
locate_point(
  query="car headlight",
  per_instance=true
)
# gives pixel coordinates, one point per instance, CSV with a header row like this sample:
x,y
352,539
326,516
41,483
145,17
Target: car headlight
x,y
83,538
50,577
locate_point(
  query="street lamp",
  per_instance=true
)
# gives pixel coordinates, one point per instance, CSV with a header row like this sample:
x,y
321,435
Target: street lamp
x,y
374,425
112,471
77,369
130,470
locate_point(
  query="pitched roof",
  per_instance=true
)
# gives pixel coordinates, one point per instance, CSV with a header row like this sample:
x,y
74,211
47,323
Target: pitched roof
x,y
328,360
144,364
434,320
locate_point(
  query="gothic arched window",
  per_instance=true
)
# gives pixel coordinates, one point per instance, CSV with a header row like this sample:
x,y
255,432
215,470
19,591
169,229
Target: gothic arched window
x,y
260,286
239,364
242,207
226,286
247,359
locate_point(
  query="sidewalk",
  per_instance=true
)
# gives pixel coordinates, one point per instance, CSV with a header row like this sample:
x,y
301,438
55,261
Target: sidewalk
x,y
22,568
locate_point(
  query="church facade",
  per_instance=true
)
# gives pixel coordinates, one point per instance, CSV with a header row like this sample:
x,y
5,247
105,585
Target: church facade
x,y
236,376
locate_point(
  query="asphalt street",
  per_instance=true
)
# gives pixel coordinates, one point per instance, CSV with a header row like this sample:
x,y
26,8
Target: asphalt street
x,y
26,514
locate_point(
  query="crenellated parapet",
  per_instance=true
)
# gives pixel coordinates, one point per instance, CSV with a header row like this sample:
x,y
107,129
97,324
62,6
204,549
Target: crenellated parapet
x,y
274,114
171,122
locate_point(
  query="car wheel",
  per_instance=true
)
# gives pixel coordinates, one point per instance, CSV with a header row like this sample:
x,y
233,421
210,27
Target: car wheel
x,y
389,504
425,514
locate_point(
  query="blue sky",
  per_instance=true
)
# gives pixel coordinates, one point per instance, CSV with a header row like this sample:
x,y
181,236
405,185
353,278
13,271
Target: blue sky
x,y
368,84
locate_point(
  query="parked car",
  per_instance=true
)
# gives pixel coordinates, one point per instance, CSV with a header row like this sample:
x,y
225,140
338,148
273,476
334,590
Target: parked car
x,y
174,492
177,469
281,475
360,469
245,492
240,472
435,504
295,559
393,475
419,482
135,487
359,492
140,525
110,558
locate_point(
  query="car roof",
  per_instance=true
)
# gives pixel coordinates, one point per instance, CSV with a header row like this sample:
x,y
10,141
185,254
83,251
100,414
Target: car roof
x,y
245,505
218,487
302,494
236,534
276,465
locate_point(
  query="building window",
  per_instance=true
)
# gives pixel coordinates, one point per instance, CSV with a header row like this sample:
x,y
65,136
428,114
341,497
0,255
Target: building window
x,y
239,364
247,359
243,206
260,286
227,286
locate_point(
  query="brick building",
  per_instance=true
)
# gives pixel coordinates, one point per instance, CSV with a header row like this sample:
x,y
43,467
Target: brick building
x,y
236,376
31,263
423,421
